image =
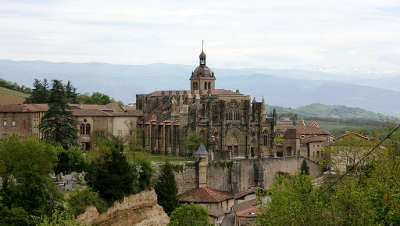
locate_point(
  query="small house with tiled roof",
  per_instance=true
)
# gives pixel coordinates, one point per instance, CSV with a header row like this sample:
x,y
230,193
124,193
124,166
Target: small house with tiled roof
x,y
304,139
245,212
217,203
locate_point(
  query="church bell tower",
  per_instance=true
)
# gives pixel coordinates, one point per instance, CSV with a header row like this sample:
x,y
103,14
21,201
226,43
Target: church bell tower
x,y
202,77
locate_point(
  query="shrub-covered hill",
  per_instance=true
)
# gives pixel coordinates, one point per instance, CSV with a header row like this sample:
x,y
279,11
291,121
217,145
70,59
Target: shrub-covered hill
x,y
328,111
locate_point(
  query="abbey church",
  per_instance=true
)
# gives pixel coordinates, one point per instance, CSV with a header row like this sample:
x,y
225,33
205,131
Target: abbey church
x,y
234,126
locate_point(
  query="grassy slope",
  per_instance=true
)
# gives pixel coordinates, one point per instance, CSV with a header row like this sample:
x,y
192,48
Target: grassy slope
x,y
12,92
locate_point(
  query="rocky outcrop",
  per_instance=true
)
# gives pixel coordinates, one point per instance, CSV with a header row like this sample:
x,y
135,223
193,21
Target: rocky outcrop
x,y
139,209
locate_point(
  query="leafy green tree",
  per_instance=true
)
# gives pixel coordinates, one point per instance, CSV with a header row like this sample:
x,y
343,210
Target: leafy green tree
x,y
58,124
70,160
24,169
40,92
111,176
304,169
193,141
189,214
166,189
293,202
95,98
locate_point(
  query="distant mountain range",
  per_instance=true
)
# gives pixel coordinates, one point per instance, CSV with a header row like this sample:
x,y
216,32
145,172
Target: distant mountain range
x,y
292,88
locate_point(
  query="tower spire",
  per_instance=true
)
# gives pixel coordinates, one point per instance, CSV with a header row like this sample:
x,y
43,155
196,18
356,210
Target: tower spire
x,y
202,45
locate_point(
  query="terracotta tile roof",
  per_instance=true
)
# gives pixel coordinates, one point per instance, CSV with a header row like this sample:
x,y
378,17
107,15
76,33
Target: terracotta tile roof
x,y
205,195
244,205
250,212
315,139
311,130
77,109
340,136
14,108
202,92
91,107
90,112
249,191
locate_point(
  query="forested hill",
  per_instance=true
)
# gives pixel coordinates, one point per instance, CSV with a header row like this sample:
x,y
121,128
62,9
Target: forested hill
x,y
328,111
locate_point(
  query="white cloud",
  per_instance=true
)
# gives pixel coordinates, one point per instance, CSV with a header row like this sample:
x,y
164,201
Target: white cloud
x,y
344,35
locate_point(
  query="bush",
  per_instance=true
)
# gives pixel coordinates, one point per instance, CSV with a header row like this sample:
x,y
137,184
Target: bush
x,y
189,214
80,200
14,216
60,218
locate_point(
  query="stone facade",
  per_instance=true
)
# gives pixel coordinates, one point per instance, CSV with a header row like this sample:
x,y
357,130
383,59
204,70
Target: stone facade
x,y
229,120
93,121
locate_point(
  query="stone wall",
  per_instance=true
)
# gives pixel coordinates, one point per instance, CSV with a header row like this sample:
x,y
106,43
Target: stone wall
x,y
139,209
239,175
186,179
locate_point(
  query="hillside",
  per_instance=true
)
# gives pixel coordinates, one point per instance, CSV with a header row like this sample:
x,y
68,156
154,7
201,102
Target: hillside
x,y
8,96
328,111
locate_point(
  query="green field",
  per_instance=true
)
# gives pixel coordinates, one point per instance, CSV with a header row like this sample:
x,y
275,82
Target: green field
x,y
163,158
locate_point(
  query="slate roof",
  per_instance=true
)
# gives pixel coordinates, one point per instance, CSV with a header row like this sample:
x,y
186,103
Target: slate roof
x,y
201,150
205,195
202,71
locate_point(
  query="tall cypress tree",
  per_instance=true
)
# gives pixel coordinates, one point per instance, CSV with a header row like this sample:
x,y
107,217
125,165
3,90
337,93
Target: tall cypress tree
x,y
166,189
304,169
58,124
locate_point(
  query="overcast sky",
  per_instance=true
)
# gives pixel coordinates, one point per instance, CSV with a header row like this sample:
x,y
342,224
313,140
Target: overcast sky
x,y
337,35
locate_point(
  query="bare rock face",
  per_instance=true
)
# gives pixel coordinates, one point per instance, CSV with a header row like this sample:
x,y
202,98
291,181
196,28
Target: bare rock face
x,y
139,209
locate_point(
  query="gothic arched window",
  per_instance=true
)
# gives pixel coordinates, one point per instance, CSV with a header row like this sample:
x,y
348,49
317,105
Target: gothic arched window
x,y
88,129
195,85
82,129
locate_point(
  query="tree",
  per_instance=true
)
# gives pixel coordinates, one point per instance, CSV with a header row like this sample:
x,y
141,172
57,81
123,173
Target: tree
x,y
95,98
58,124
189,214
111,176
304,169
293,202
69,160
24,169
166,189
40,92
71,94
193,141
